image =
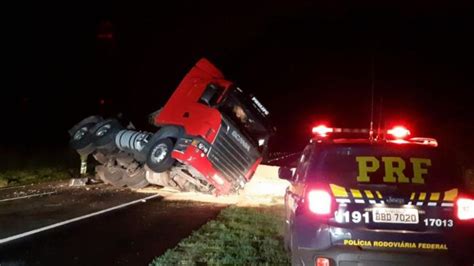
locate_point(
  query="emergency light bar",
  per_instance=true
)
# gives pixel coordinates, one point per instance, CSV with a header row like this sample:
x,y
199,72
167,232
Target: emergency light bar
x,y
397,134
322,130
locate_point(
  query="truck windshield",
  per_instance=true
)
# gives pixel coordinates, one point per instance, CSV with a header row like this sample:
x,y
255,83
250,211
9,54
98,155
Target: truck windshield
x,y
248,115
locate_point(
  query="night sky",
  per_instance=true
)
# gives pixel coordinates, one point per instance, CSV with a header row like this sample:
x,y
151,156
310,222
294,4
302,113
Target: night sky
x,y
306,62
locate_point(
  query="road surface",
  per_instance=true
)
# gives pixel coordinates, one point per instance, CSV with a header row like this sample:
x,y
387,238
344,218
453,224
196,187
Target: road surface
x,y
56,224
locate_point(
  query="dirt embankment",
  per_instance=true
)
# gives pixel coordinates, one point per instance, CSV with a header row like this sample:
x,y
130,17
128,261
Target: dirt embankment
x,y
265,188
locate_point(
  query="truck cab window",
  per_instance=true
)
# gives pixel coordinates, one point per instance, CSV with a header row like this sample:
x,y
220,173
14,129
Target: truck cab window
x,y
211,94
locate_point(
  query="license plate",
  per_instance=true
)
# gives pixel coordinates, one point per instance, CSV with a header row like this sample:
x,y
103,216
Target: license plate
x,y
395,215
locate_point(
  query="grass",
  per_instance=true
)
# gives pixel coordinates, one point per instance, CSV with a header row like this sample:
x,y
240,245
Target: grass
x,y
29,176
238,236
20,166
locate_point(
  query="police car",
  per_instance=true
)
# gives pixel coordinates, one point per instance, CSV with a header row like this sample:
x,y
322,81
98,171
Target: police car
x,y
389,200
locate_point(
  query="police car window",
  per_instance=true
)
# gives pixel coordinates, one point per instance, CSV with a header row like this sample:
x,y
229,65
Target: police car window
x,y
416,166
303,164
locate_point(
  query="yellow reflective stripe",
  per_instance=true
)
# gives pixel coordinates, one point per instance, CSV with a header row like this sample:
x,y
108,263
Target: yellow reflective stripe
x,y
338,191
369,194
412,197
422,196
356,193
450,195
378,194
434,196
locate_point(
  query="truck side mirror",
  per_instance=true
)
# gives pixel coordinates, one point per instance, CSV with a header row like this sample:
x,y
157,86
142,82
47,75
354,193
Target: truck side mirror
x,y
208,97
285,173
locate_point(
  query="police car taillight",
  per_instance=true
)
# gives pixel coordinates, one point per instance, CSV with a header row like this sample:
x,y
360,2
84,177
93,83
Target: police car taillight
x,y
465,208
321,262
319,201
399,132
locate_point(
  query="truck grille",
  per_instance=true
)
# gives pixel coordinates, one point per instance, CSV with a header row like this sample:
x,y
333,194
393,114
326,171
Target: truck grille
x,y
231,157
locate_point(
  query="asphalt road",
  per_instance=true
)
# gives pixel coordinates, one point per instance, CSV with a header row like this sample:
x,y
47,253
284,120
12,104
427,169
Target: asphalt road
x,y
129,235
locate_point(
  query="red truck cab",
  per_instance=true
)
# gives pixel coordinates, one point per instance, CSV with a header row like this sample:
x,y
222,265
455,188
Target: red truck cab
x,y
218,130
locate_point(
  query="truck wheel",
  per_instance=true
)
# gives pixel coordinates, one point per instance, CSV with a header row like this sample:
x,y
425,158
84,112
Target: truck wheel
x,y
81,139
103,133
91,120
159,155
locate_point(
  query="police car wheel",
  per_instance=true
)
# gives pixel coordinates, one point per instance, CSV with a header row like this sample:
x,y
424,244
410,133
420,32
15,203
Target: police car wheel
x,y
295,259
159,157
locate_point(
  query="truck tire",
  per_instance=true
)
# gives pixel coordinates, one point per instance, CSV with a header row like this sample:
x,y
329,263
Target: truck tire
x,y
88,120
103,133
159,157
81,137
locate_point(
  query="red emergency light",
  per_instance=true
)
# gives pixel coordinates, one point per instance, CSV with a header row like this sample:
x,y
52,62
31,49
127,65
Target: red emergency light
x,y
322,130
399,132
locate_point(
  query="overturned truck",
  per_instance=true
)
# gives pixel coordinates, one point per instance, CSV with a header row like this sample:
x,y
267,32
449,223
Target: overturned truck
x,y
211,137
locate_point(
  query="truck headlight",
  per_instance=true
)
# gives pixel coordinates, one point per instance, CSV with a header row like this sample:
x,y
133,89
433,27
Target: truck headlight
x,y
203,147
